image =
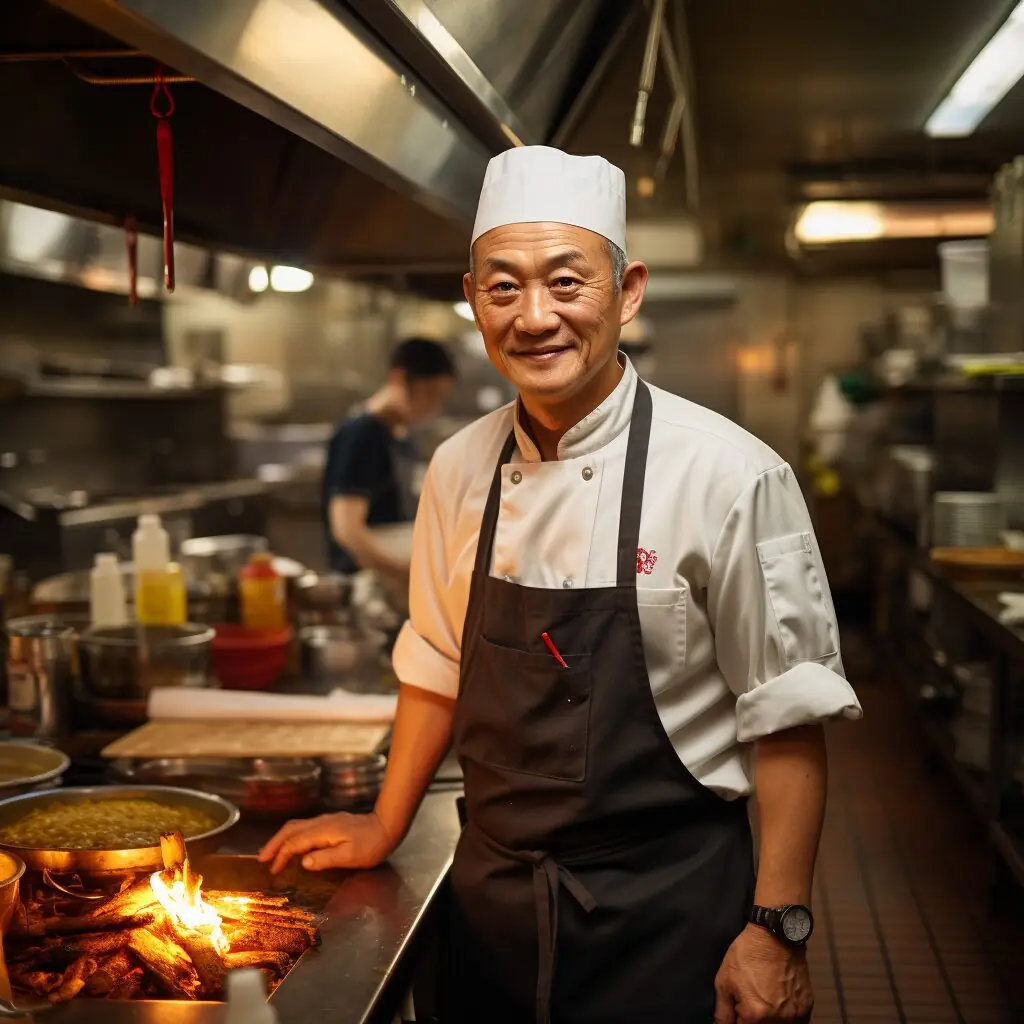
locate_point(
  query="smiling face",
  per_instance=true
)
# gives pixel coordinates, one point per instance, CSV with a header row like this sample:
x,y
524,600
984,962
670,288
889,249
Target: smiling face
x,y
546,303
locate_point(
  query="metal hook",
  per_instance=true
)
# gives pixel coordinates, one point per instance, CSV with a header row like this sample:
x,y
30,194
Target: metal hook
x,y
54,884
161,86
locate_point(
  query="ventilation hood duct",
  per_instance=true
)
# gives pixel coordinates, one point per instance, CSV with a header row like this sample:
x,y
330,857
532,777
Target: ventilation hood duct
x,y
348,137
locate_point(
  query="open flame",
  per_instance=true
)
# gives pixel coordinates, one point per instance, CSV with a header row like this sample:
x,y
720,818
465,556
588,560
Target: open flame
x,y
184,903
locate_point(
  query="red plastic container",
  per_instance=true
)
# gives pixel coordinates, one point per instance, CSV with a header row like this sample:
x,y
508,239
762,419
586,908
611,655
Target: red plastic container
x,y
248,659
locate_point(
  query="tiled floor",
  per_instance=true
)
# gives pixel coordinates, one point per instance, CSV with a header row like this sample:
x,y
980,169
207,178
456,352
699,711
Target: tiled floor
x,y
904,933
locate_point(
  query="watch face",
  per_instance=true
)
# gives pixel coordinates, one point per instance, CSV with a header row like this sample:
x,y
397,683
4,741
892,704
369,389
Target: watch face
x,y
796,924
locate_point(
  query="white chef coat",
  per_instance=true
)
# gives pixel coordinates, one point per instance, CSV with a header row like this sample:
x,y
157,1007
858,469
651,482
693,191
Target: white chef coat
x,y
739,629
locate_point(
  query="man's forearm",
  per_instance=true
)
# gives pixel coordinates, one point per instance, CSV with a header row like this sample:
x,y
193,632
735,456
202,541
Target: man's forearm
x,y
369,554
419,740
791,780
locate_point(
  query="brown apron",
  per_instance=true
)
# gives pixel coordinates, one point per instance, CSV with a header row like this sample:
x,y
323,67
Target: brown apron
x,y
596,880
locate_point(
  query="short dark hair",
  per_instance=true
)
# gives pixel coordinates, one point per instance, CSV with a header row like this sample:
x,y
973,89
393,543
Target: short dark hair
x,y
422,359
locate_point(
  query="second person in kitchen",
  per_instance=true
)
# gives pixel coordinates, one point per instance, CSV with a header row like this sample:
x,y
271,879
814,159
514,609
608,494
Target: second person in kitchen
x,y
370,459
620,620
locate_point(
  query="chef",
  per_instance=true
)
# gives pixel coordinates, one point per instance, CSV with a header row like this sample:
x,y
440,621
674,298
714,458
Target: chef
x,y
620,620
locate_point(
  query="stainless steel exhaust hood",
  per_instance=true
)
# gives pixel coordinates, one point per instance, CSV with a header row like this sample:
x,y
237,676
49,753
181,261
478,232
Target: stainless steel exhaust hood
x,y
348,137
309,67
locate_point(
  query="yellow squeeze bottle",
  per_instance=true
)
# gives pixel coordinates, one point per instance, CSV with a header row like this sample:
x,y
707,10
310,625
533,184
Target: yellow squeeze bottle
x,y
159,584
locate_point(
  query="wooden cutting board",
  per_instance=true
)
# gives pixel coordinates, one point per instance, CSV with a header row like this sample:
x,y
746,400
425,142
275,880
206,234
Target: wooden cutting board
x,y
1006,559
169,738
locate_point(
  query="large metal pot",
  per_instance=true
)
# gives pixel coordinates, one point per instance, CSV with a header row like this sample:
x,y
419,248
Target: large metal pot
x,y
27,767
111,863
224,556
129,661
41,663
344,656
323,599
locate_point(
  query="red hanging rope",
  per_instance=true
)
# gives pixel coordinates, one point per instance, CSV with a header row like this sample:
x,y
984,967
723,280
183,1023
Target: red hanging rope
x,y
131,239
161,105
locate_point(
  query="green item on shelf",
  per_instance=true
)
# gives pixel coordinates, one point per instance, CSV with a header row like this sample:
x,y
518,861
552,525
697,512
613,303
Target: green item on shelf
x,y
857,386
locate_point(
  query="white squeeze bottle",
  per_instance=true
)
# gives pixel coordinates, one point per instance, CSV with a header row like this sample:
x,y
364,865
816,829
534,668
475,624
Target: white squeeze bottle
x,y
107,598
159,593
247,999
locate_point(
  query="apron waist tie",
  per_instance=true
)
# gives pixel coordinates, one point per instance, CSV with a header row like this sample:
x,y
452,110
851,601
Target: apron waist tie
x,y
548,876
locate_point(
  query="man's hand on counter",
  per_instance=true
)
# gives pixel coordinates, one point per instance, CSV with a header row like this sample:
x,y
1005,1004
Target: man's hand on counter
x,y
419,740
330,841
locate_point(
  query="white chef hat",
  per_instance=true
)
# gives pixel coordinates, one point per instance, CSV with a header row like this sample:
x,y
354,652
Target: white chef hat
x,y
529,184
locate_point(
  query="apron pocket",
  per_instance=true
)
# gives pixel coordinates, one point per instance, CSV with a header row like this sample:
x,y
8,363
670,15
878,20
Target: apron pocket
x,y
532,714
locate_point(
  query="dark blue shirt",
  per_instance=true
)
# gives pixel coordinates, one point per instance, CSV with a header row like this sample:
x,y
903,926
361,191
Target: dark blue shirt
x,y
364,460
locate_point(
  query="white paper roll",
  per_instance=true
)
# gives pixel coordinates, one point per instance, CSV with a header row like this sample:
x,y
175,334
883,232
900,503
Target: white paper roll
x,y
170,702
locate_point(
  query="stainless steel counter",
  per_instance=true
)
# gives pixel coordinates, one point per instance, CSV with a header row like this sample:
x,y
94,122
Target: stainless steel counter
x,y
376,924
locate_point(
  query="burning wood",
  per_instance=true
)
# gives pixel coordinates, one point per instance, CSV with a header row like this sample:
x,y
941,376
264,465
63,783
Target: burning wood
x,y
159,936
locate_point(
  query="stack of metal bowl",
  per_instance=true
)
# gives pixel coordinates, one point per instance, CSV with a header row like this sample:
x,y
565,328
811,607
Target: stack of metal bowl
x,y
351,783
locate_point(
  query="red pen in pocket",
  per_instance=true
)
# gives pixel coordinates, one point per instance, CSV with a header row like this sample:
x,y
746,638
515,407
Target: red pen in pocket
x,y
550,644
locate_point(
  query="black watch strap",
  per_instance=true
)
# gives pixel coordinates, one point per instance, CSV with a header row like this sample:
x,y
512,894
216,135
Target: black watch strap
x,y
765,917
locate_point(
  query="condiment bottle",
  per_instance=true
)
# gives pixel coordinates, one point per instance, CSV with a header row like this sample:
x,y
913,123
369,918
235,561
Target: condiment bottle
x,y
159,584
261,594
107,601
247,998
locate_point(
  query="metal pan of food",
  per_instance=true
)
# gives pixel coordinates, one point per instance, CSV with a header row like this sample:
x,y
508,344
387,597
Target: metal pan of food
x,y
262,787
106,831
27,767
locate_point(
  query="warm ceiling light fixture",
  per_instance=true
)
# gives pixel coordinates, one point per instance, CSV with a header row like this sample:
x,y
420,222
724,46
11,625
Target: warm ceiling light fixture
x,y
259,279
832,222
290,279
990,76
827,223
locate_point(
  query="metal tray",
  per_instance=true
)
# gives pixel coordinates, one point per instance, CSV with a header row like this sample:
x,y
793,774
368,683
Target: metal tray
x,y
262,786
27,767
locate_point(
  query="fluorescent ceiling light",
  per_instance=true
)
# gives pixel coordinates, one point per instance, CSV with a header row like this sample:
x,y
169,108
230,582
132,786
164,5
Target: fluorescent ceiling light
x,y
991,75
465,310
290,279
259,279
824,223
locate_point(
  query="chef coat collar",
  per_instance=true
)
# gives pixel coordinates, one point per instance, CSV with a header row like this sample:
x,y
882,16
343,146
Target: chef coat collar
x,y
595,430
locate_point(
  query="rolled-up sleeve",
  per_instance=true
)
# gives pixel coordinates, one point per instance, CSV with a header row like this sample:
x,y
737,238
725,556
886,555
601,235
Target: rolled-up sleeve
x,y
427,651
776,635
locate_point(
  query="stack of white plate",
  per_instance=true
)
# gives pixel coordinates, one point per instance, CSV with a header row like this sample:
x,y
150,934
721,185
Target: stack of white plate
x,y
967,519
971,727
351,783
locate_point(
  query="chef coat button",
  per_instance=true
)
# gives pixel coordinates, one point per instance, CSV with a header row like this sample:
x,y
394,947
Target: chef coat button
x,y
517,477
567,583
588,473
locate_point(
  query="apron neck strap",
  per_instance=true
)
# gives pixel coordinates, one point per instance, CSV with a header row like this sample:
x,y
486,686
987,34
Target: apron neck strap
x,y
632,492
633,478
489,523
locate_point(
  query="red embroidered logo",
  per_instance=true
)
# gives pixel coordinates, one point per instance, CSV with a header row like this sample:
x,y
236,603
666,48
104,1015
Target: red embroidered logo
x,y
645,561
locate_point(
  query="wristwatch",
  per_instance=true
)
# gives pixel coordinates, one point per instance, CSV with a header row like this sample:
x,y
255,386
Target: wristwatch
x,y
791,924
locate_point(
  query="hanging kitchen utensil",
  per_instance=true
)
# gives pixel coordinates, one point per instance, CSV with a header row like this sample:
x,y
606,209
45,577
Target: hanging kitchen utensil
x,y
131,240
161,106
